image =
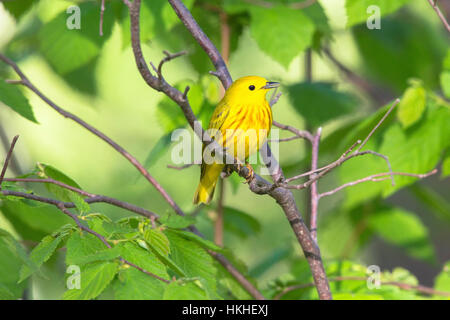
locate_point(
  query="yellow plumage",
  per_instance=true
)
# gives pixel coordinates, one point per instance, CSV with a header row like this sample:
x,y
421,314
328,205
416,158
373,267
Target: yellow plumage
x,y
240,123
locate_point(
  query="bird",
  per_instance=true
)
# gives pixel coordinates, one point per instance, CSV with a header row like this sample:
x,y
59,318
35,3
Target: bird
x,y
240,124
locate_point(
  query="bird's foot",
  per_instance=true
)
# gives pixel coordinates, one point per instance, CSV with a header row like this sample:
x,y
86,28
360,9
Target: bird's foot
x,y
250,175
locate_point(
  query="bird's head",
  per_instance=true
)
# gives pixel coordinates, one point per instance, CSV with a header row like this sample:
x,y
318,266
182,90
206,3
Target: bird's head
x,y
250,89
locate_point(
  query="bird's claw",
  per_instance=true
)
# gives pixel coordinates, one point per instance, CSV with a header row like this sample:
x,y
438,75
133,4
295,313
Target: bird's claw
x,y
251,174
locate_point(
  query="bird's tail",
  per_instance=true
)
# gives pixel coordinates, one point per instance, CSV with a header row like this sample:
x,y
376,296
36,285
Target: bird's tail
x,y
207,185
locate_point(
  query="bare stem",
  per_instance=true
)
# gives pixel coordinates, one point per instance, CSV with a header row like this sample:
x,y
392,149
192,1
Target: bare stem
x,y
8,157
440,14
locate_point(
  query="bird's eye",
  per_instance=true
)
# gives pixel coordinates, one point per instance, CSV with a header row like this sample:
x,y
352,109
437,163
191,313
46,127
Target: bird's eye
x,y
252,87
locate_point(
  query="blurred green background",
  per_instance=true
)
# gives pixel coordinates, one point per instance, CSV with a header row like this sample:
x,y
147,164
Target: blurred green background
x,y
108,92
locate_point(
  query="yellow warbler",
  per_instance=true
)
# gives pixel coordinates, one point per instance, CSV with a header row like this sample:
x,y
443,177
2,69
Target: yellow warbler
x,y
240,123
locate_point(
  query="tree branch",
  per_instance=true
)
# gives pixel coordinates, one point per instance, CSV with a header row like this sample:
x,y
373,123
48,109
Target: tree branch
x,y
441,16
314,194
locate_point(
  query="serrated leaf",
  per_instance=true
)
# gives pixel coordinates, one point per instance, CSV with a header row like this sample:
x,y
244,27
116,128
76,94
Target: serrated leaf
x,y
107,254
184,291
411,106
192,259
405,230
94,277
157,240
11,96
280,32
143,258
40,254
81,245
320,102
357,9
133,284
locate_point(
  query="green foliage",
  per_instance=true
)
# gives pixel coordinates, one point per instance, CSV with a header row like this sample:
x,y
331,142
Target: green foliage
x,y
15,99
320,102
280,32
411,106
442,281
240,223
357,10
403,229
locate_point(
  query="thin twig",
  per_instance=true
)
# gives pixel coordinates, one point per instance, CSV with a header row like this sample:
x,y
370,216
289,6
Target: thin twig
x,y
184,166
377,177
299,133
13,163
102,13
8,156
440,14
396,102
314,193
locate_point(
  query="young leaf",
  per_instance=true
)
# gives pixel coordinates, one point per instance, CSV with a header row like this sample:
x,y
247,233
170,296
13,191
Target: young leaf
x,y
18,8
158,241
16,100
81,245
411,106
280,32
157,151
403,229
176,221
95,277
199,240
442,281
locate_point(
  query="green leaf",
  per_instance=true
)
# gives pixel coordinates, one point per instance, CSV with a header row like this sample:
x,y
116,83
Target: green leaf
x,y
240,223
357,9
143,258
199,240
18,8
405,230
40,254
445,83
442,281
133,284
94,277
184,291
320,102
108,254
446,166
158,150
397,53
73,53
176,221
79,246
12,257
192,259
411,106
33,221
280,32
157,240
356,296
11,96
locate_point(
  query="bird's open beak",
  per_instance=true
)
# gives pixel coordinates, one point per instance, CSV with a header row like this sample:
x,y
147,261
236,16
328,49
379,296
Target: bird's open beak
x,y
271,85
